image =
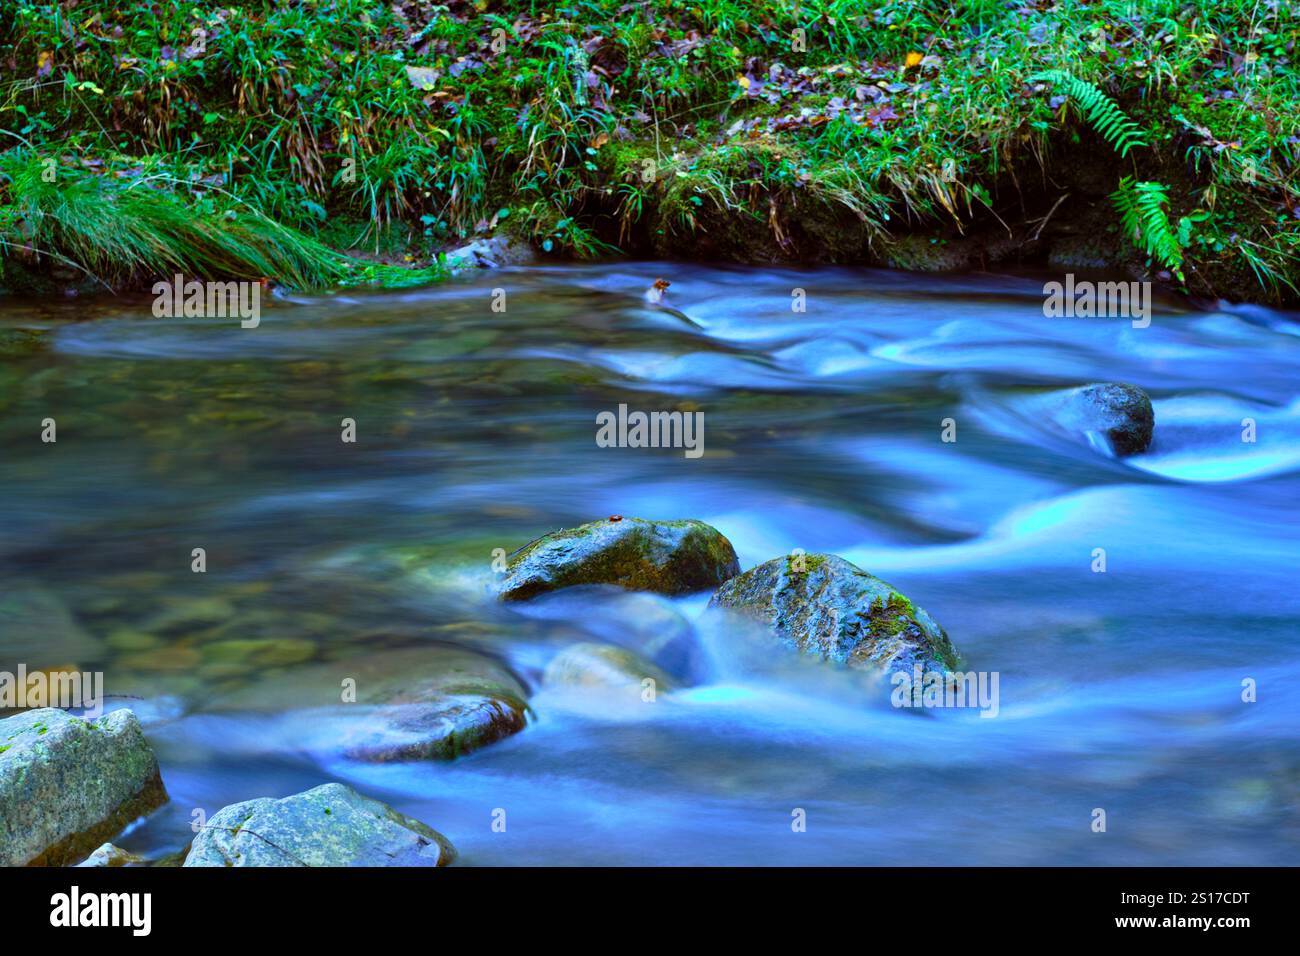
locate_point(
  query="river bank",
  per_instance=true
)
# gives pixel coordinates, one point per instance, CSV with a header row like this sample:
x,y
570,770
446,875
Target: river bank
x,y
359,142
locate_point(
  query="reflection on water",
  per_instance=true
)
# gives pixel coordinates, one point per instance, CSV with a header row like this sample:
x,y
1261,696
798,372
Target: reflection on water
x,y
822,431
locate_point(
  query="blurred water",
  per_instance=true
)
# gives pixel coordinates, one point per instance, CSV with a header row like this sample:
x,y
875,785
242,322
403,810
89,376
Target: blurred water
x,y
476,428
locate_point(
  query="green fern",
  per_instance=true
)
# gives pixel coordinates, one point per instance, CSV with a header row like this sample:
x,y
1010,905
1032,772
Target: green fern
x,y
1102,112
1142,211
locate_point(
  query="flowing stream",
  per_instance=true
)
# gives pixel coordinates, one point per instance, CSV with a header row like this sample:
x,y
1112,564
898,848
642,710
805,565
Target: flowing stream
x,y
1120,691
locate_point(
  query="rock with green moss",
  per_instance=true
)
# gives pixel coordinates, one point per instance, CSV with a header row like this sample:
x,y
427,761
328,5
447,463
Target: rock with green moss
x,y
604,666
331,825
68,784
822,605
433,703
668,557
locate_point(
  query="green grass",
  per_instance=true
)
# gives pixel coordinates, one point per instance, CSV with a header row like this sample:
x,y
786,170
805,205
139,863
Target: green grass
x,y
117,231
123,231
407,126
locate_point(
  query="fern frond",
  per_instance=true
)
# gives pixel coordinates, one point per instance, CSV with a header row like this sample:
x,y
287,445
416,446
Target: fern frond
x,y
1101,111
1141,207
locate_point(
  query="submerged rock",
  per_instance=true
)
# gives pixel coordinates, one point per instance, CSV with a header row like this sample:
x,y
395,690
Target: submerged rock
x,y
837,611
436,703
20,343
602,665
227,658
331,825
648,625
67,784
1120,414
37,628
669,557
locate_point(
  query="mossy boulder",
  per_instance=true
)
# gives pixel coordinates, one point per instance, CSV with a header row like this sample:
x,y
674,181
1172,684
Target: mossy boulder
x,y
331,825
604,666
668,557
432,703
1121,416
68,784
836,611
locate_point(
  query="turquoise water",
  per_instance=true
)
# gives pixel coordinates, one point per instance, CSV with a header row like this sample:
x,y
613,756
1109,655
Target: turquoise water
x,y
1120,691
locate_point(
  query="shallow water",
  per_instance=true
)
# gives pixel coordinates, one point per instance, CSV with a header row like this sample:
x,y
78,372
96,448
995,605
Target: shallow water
x,y
1118,690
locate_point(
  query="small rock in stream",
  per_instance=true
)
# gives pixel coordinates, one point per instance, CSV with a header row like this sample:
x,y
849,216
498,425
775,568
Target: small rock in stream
x,y
1121,415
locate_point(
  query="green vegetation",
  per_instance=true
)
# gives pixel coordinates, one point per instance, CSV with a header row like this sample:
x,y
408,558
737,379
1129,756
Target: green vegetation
x,y
823,129
114,230
1141,205
1142,211
1106,118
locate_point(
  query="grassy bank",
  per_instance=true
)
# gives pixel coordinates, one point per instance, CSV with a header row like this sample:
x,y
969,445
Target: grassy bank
x,y
1158,136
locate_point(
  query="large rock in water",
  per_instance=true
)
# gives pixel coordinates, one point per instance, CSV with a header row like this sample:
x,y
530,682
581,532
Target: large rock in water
x,y
331,825
669,557
436,703
1121,415
68,784
837,611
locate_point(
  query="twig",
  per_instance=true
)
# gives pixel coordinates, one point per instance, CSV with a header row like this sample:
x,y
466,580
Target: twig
x,y
1043,222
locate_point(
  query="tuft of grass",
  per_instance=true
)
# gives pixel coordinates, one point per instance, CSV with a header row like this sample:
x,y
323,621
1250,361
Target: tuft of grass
x,y
122,231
